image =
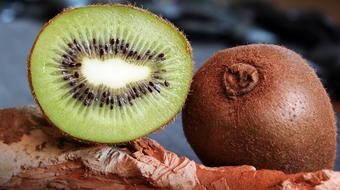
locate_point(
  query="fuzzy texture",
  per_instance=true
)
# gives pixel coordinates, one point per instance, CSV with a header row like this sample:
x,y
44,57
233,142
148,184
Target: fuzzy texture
x,y
35,160
285,122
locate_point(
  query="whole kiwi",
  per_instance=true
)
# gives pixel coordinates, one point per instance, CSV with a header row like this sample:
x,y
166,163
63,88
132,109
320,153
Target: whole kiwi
x,y
260,105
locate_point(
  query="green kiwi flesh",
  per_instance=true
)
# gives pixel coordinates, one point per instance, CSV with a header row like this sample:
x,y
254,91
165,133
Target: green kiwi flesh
x,y
260,105
110,73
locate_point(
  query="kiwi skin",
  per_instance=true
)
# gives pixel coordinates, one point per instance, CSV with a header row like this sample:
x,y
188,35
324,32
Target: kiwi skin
x,y
65,11
286,122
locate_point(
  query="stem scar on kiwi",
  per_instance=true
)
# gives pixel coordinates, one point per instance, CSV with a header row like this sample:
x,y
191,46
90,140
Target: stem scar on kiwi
x,y
260,105
110,73
239,79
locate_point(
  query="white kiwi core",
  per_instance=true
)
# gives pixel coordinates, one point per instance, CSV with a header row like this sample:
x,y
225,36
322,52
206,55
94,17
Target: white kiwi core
x,y
115,73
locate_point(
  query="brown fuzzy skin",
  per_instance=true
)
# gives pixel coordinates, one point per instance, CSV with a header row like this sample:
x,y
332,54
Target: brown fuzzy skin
x,y
286,122
65,11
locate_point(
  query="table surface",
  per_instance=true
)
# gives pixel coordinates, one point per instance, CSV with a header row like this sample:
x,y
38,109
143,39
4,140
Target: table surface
x,y
16,41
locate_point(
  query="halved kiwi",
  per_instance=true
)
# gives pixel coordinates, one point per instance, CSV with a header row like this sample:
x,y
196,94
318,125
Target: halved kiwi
x,y
110,73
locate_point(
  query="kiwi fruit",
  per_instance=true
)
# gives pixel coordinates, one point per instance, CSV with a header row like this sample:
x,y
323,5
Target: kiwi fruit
x,y
260,105
110,73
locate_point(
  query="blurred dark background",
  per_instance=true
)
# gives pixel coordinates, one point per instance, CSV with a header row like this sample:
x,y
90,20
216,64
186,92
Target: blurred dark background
x,y
310,27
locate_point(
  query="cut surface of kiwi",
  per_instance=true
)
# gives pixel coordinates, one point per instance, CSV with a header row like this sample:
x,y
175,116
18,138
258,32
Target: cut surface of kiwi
x,y
110,73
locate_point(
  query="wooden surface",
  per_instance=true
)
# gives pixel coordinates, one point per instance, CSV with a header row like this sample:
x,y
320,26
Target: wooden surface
x,y
35,156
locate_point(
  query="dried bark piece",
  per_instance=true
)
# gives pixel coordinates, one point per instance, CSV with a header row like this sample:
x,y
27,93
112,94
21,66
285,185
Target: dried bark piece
x,y
32,159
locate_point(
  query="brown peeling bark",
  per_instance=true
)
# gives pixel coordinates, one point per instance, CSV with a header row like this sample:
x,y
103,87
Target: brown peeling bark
x,y
32,159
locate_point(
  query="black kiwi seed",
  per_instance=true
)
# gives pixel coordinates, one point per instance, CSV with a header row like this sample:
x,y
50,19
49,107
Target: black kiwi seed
x,y
166,83
130,53
101,52
118,100
104,94
81,85
90,95
112,41
78,48
161,56
157,89
76,74
149,88
135,91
